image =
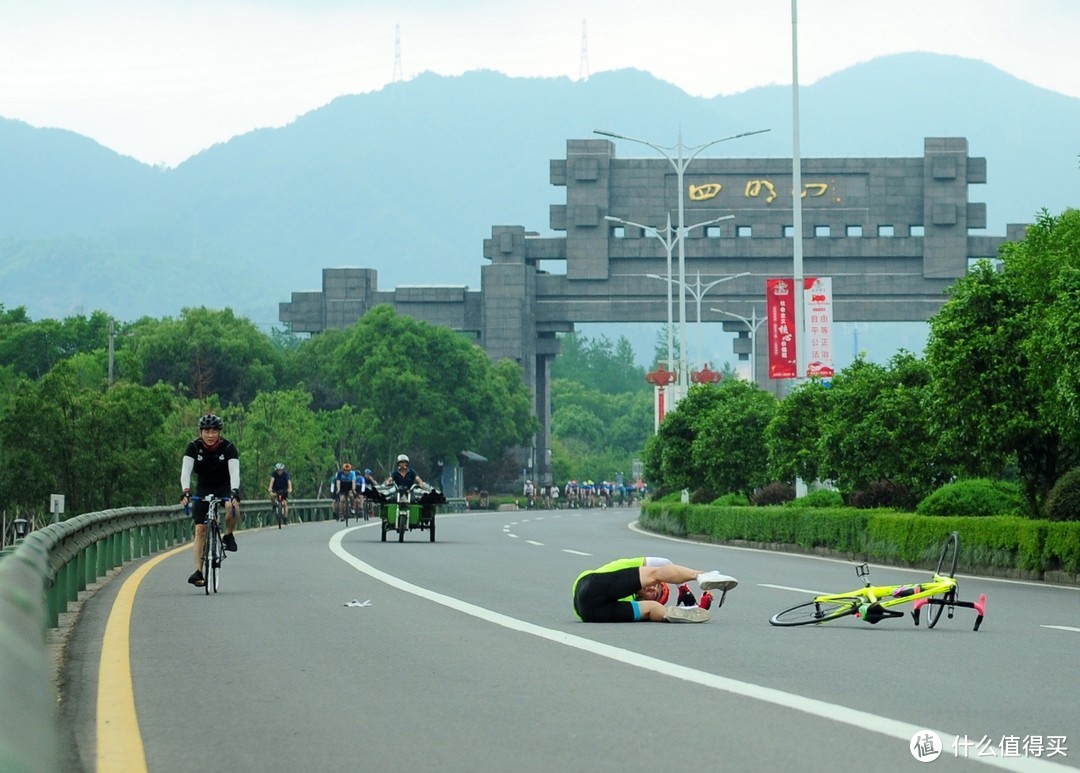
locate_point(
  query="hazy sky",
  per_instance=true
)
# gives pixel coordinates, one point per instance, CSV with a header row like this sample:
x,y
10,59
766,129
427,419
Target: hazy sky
x,y
161,80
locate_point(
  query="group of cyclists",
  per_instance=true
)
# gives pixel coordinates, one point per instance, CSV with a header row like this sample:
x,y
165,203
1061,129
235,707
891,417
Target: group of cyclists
x,y
348,487
581,494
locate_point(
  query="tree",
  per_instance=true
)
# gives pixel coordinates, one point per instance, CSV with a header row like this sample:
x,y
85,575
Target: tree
x,y
207,352
598,364
33,348
793,437
280,427
100,447
878,428
729,450
1001,383
427,391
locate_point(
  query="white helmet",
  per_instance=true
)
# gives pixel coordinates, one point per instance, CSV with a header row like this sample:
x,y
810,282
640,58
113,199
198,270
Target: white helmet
x,y
402,458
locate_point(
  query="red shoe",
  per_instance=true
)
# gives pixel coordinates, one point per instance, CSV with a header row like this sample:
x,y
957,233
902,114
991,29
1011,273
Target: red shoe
x,y
706,600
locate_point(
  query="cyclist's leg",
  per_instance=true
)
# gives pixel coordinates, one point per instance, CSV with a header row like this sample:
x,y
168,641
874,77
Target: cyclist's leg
x,y
199,550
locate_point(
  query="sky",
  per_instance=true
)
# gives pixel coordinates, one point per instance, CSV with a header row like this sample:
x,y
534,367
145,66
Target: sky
x,y
161,80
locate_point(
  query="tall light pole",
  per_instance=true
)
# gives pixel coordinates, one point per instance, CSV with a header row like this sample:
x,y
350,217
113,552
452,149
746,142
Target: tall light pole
x,y
698,291
667,238
680,162
753,323
796,200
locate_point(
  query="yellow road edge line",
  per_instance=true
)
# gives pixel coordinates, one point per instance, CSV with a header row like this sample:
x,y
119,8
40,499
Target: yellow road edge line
x,y
119,740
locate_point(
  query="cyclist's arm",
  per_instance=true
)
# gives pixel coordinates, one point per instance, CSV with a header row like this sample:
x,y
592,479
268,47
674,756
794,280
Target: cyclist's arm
x,y
185,473
234,474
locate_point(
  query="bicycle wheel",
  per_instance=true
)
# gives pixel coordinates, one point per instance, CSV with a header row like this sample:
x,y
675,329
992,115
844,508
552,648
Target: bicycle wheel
x,y
812,612
345,510
215,559
950,552
946,567
206,561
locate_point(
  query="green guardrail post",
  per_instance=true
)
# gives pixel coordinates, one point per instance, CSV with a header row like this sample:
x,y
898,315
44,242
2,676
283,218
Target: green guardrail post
x,y
55,603
72,578
91,565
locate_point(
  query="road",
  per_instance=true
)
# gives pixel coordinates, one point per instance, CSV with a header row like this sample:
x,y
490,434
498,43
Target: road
x,y
468,658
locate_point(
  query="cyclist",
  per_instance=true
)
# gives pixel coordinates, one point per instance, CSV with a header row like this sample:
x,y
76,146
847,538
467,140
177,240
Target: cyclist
x,y
629,590
281,486
344,486
216,462
404,475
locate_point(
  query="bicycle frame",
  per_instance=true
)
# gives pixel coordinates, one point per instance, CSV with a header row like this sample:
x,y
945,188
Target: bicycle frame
x,y
213,548
873,603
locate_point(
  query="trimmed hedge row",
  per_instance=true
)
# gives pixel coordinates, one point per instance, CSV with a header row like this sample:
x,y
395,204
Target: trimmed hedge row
x,y
990,544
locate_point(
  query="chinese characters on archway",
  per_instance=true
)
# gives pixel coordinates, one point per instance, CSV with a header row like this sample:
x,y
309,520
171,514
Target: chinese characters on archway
x,y
765,190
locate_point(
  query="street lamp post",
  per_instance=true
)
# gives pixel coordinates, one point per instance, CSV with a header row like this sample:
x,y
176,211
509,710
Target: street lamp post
x,y
698,291
753,323
680,162
667,238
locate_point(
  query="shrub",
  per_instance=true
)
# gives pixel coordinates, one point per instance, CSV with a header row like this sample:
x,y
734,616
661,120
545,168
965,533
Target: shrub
x,y
884,493
702,496
774,494
820,498
731,500
1063,501
975,496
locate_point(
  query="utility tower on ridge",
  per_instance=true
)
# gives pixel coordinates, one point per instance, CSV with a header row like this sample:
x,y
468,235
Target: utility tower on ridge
x,y
398,74
583,67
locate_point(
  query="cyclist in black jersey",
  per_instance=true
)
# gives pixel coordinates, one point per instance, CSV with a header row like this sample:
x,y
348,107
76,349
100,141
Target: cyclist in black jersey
x,y
216,463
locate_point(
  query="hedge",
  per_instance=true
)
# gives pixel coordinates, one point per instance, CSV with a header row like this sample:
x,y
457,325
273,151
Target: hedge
x,y
989,544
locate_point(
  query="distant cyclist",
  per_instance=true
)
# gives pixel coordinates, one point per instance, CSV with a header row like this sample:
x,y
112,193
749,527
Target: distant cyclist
x,y
216,463
281,486
344,488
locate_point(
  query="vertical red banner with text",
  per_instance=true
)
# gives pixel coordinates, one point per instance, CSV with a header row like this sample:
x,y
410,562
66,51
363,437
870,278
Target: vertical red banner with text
x,y
780,310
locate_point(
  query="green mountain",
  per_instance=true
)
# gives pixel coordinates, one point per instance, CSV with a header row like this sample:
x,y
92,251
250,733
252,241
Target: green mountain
x,y
410,179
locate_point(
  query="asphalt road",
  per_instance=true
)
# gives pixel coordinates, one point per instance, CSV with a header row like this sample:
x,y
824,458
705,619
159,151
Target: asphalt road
x,y
468,658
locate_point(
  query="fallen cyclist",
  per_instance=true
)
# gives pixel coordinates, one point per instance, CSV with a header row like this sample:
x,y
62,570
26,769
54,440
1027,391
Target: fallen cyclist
x,y
629,590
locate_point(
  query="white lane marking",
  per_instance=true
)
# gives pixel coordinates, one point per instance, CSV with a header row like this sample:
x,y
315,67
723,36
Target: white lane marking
x,y
534,542
514,536
1062,628
575,552
861,720
787,587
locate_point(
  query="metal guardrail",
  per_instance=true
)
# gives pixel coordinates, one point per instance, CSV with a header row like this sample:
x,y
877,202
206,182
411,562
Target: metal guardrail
x,y
43,573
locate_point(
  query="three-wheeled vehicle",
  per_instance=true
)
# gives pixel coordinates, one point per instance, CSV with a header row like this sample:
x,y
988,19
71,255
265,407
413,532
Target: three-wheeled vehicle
x,y
405,508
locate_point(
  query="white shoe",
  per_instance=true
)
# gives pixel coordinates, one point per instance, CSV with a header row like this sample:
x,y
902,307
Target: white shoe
x,y
686,615
715,581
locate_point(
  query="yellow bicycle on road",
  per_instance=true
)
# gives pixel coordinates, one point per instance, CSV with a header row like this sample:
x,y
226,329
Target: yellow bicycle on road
x,y
873,603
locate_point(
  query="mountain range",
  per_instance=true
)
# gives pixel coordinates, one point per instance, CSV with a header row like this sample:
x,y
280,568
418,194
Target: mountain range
x,y
410,179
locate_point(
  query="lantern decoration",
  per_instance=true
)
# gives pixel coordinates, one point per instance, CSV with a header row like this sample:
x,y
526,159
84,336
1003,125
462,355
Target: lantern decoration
x,y
705,376
660,377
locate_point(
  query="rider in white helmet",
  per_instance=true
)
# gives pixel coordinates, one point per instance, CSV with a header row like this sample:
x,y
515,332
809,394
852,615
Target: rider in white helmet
x,y
404,475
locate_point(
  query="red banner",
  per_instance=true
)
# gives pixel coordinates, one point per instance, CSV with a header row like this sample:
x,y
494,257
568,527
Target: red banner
x,y
780,310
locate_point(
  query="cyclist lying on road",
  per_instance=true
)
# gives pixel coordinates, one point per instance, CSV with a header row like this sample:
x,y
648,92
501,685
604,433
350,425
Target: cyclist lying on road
x,y
629,590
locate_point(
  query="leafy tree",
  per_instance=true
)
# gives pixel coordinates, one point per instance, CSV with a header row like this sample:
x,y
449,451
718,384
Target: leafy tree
x,y
1001,385
878,428
793,437
33,348
599,364
669,458
280,427
207,352
428,392
100,447
729,451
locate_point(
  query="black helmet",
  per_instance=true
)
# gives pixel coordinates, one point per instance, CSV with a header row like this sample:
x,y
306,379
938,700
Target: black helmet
x,y
210,421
